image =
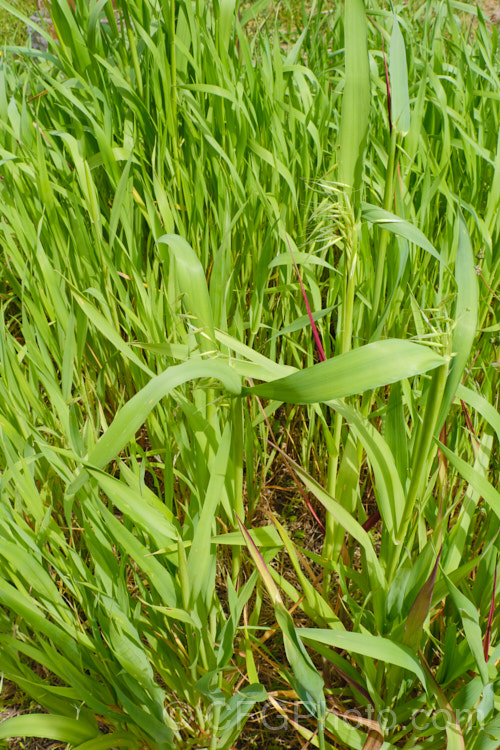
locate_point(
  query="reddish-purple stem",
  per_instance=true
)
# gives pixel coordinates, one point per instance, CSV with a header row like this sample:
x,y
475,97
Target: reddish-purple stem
x,y
370,522
468,420
321,353
387,83
487,635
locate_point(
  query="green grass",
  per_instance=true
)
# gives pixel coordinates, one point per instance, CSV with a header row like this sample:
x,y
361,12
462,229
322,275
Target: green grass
x,y
13,30
182,193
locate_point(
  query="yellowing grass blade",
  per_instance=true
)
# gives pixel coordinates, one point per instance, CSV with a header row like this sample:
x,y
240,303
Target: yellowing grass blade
x,y
374,742
308,682
261,566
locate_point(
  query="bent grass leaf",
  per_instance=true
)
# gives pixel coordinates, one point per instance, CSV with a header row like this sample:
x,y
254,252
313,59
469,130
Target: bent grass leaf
x,y
356,371
391,222
135,412
157,573
298,258
375,647
317,603
48,727
142,510
104,326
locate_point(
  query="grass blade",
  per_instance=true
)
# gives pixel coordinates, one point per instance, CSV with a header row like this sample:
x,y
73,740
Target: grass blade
x,y
359,370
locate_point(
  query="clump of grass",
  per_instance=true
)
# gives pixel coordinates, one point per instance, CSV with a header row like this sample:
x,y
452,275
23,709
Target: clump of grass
x,y
173,187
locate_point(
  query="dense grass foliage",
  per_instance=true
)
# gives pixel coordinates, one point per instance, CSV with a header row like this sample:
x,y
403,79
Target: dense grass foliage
x,y
234,272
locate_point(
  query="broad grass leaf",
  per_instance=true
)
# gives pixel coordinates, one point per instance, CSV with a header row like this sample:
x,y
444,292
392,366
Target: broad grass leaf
x,y
395,431
30,611
487,704
225,23
27,566
375,647
308,682
236,602
396,225
398,74
275,163
47,727
301,323
262,536
68,359
235,712
356,371
135,412
270,369
125,643
253,10
356,99
109,742
300,258
117,211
